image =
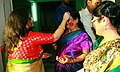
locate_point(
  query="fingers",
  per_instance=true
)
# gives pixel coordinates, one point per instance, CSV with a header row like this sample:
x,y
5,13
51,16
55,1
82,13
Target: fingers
x,y
62,60
66,16
66,58
57,58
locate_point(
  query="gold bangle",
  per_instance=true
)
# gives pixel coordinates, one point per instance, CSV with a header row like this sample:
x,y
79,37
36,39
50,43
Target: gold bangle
x,y
61,26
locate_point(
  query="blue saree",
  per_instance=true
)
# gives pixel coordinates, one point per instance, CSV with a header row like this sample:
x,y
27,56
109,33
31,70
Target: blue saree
x,y
72,45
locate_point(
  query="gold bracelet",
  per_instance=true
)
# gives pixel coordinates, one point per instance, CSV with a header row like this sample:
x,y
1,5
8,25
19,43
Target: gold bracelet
x,y
61,26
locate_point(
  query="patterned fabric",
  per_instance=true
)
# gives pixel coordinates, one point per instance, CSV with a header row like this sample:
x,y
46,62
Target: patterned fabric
x,y
30,50
72,45
106,58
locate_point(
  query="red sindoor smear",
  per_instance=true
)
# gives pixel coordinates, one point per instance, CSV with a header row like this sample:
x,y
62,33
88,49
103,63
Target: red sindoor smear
x,y
71,23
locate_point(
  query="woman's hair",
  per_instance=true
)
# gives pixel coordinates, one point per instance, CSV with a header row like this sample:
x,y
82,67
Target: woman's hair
x,y
75,15
110,10
15,28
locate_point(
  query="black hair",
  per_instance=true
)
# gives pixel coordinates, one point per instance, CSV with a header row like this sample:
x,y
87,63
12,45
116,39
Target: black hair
x,y
75,14
110,10
15,27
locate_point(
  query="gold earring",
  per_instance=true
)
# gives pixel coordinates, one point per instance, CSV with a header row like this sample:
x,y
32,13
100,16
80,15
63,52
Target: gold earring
x,y
105,27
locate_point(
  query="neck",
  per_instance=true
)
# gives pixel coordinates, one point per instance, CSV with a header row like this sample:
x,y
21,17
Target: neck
x,y
89,10
108,36
76,28
111,35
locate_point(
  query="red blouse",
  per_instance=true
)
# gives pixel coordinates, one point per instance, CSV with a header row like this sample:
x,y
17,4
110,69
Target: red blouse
x,y
31,46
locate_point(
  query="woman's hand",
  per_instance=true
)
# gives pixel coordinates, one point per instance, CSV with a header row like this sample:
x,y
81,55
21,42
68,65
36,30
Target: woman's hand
x,y
66,16
63,59
61,28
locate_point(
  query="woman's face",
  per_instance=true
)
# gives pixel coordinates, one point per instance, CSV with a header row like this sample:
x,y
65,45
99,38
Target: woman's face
x,y
98,25
71,23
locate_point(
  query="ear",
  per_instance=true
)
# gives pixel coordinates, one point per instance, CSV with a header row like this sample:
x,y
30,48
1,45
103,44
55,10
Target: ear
x,y
106,22
76,20
106,19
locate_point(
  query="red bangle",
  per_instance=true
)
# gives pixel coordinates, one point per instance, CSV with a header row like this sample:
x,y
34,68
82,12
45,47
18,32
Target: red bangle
x,y
72,61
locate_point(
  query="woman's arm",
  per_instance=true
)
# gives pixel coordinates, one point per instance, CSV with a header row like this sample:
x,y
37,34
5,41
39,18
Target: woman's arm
x,y
61,27
79,58
65,59
46,38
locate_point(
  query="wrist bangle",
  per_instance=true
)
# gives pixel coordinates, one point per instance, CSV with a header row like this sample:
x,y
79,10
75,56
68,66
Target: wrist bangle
x,y
71,61
61,26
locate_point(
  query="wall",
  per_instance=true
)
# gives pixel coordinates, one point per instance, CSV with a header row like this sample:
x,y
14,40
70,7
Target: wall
x,y
118,2
5,8
2,21
80,4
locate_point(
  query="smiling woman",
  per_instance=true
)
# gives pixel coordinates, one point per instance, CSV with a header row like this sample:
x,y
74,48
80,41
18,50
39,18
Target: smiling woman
x,y
73,46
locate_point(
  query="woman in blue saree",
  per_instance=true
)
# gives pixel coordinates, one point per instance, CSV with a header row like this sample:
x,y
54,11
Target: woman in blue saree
x,y
73,46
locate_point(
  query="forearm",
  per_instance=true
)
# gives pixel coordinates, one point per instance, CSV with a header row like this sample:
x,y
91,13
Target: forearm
x,y
77,59
59,31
